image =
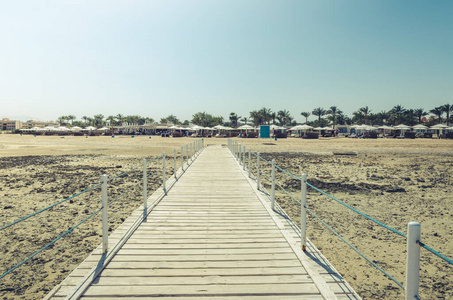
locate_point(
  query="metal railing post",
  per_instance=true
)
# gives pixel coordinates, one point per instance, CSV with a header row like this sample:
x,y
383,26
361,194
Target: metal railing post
x,y
413,260
174,161
163,174
105,228
145,190
182,158
273,184
243,158
250,162
303,212
258,171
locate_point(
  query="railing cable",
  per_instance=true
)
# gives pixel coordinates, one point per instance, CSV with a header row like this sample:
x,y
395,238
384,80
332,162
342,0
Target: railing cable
x,y
48,207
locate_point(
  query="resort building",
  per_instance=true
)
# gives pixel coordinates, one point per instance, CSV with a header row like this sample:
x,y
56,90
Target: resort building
x,y
10,125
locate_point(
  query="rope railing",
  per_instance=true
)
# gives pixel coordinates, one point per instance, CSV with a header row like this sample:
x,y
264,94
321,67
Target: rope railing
x,y
49,244
190,155
357,211
411,281
49,207
355,249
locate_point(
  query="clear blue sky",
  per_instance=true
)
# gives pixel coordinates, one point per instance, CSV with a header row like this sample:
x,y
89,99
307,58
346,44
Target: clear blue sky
x,y
155,58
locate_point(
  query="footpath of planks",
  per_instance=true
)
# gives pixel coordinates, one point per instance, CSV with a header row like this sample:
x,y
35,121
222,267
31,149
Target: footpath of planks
x,y
212,236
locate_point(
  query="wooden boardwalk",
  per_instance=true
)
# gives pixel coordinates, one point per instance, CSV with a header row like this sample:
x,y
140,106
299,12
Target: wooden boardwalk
x,y
212,236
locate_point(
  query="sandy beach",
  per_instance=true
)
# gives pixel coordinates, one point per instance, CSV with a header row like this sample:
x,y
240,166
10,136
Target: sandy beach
x,y
392,180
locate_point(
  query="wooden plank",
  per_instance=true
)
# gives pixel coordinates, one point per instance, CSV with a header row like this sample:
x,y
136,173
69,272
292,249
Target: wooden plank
x,y
201,290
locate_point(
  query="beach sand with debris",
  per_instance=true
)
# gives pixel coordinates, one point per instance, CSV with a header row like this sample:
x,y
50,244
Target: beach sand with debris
x,y
395,181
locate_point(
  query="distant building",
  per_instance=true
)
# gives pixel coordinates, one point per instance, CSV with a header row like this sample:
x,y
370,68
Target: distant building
x,y
10,125
40,124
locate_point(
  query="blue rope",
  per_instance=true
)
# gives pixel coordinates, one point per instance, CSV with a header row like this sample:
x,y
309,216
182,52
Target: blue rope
x,y
55,204
357,211
49,244
284,171
266,160
435,252
287,192
356,250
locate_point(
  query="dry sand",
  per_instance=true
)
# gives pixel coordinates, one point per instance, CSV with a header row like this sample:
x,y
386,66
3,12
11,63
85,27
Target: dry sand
x,y
394,181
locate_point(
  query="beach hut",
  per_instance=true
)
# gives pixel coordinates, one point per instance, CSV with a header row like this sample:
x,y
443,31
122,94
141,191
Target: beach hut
x,y
439,128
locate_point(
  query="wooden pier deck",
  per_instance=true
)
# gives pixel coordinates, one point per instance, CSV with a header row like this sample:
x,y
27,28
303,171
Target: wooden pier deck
x,y
212,236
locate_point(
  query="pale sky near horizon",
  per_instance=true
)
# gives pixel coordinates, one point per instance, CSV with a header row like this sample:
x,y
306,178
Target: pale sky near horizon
x,y
154,58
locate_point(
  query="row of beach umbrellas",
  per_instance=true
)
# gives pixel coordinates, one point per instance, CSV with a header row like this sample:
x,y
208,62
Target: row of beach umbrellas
x,y
65,129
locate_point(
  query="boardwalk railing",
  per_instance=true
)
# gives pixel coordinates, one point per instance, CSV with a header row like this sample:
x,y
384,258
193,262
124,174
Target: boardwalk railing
x,y
188,154
246,158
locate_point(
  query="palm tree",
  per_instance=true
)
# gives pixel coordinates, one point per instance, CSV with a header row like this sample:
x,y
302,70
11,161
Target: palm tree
x,y
420,113
111,120
411,117
397,114
319,112
284,117
306,114
98,120
365,111
381,117
273,117
85,118
359,117
438,112
333,112
243,120
234,119
256,117
120,118
266,114
447,108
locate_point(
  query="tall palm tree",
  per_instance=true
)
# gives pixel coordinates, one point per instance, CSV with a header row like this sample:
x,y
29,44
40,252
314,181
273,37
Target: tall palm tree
x,y
333,112
438,112
98,120
397,114
111,120
234,119
120,118
319,112
256,117
381,117
273,117
420,113
85,118
244,120
365,111
447,108
411,117
306,114
284,117
266,114
359,117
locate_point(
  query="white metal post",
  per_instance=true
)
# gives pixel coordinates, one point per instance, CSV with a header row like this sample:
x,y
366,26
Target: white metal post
x,y
273,184
174,160
163,174
145,190
243,158
105,224
303,212
413,260
182,158
258,171
250,161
